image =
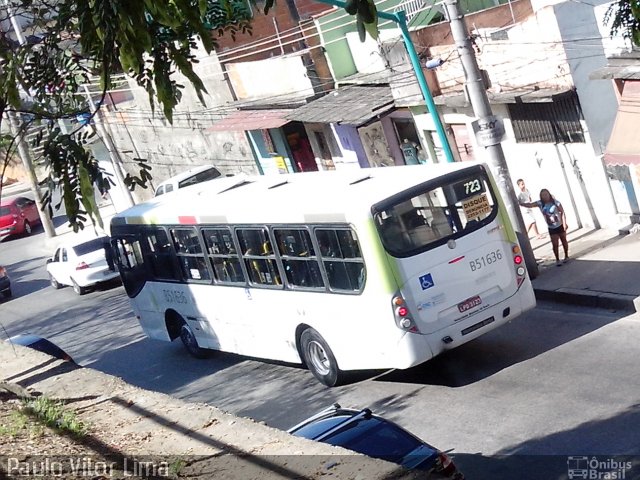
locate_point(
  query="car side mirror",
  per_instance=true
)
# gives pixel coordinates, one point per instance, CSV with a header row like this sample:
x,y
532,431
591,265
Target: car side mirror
x,y
49,260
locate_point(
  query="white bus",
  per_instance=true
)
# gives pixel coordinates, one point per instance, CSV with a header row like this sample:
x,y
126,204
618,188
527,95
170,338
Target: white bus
x,y
369,269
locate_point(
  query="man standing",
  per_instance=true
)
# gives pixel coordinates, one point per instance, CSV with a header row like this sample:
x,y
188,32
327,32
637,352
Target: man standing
x,y
527,214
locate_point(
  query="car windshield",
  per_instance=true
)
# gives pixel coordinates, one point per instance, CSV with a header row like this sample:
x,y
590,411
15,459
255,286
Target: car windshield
x,y
5,211
371,436
90,246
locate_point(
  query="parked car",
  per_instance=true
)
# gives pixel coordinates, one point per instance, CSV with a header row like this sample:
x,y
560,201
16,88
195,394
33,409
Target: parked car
x,y
5,283
40,344
18,215
371,435
190,177
82,264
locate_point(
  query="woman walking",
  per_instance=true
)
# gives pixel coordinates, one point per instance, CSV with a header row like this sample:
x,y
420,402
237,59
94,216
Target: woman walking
x,y
556,221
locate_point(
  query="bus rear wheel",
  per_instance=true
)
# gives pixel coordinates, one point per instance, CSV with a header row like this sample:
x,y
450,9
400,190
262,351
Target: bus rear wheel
x,y
320,359
190,342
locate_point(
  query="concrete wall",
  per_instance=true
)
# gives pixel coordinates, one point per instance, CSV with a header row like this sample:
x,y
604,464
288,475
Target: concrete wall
x,y
582,33
274,79
171,149
530,54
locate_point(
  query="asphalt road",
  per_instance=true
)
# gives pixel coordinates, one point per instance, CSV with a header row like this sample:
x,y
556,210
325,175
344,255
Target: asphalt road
x,y
559,381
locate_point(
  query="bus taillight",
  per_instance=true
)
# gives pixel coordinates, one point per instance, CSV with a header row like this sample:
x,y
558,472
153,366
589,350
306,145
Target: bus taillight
x,y
401,314
518,261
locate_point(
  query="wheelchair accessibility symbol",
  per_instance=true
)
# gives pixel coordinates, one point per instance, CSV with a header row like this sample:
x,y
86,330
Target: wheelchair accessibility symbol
x,y
426,281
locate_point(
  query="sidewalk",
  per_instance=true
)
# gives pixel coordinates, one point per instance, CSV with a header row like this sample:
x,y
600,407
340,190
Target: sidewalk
x,y
136,433
604,270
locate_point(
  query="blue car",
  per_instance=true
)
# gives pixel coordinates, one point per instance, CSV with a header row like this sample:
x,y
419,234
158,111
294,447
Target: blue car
x,y
371,435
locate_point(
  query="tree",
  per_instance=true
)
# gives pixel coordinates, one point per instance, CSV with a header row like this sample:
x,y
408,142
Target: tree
x,y
73,41
624,17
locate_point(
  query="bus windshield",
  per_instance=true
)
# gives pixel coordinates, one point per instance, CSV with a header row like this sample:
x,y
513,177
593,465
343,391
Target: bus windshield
x,y
423,218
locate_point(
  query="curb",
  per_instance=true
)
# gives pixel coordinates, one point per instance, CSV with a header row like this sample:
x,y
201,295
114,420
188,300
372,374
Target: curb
x,y
609,301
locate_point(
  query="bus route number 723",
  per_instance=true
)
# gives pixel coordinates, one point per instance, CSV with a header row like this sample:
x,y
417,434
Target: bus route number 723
x,y
485,260
472,186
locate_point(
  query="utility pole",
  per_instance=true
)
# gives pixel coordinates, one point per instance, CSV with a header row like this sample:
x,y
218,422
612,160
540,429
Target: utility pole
x,y
23,148
114,155
25,155
489,128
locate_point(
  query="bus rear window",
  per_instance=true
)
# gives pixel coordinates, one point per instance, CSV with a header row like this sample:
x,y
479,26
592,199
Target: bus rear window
x,y
420,220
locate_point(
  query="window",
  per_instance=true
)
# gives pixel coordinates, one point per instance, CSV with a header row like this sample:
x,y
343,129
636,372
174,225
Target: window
x,y
204,176
160,255
550,122
425,219
223,255
90,246
301,266
258,256
168,188
190,256
342,259
128,251
64,255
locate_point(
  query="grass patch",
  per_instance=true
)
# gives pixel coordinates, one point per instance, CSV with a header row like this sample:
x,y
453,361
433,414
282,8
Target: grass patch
x,y
16,424
53,414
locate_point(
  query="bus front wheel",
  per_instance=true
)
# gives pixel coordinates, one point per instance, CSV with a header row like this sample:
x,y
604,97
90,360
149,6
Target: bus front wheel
x,y
190,342
319,358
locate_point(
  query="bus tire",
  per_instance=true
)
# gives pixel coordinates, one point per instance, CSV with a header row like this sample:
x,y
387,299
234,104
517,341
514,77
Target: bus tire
x,y
190,342
319,358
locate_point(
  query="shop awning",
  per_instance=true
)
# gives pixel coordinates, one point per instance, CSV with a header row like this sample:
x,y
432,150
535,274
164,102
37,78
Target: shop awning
x,y
529,95
625,66
352,105
624,144
244,120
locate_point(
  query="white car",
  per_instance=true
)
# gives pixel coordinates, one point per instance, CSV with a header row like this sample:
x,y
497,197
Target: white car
x,y
82,263
200,174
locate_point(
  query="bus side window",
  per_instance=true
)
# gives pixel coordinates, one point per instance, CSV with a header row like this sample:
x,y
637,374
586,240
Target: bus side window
x,y
160,255
299,259
223,255
190,255
258,256
342,259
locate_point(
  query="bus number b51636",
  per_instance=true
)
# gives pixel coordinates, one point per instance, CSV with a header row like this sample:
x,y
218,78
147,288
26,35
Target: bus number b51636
x,y
488,259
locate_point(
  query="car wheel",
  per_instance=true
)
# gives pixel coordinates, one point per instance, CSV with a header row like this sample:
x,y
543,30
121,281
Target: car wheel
x,y
27,228
54,283
77,288
190,342
319,358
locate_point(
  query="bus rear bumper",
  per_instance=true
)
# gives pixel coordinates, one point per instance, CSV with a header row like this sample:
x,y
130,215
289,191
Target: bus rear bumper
x,y
419,348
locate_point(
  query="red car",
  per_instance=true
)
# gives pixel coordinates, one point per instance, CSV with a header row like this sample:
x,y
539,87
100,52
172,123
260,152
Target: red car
x,y
18,215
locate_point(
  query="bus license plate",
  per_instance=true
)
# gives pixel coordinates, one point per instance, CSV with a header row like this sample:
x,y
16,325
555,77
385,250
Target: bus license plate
x,y
469,303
